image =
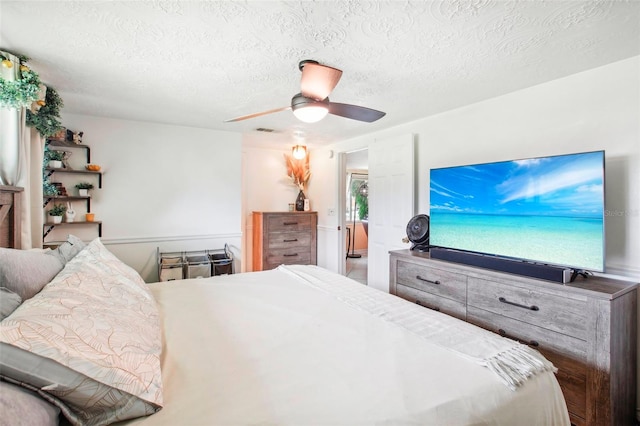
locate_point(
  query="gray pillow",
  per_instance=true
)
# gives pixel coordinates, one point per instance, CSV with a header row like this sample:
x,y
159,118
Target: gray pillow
x,y
22,407
69,249
26,272
9,301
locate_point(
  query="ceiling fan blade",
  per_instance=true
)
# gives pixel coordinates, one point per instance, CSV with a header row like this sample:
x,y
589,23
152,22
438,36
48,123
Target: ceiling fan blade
x,y
318,81
355,112
257,114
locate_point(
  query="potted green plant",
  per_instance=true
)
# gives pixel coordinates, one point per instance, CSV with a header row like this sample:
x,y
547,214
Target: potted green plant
x,y
55,159
56,213
83,188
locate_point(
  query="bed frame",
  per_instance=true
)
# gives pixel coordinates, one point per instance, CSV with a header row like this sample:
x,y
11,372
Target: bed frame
x,y
10,212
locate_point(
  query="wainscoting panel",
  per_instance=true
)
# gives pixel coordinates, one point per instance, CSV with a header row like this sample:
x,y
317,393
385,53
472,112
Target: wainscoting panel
x,y
141,253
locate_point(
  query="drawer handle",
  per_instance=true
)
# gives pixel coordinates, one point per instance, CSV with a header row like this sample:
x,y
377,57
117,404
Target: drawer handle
x,y
290,241
290,255
531,308
533,343
290,223
433,308
418,277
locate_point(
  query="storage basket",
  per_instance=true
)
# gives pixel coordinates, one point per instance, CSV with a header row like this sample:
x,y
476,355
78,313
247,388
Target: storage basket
x,y
221,261
197,266
170,266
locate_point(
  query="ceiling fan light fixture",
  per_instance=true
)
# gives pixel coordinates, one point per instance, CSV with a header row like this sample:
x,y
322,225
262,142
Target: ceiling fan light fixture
x,y
310,113
299,152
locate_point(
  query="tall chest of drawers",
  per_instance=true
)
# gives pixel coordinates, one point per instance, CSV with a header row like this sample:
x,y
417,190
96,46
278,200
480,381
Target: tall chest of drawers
x,y
288,238
586,328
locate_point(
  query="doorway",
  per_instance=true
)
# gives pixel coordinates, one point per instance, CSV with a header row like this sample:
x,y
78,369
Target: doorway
x,y
356,215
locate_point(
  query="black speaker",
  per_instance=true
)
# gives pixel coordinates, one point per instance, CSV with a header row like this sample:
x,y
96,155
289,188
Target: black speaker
x,y
514,266
418,232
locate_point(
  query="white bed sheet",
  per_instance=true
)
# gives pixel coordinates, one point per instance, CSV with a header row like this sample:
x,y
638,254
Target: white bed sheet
x,y
264,348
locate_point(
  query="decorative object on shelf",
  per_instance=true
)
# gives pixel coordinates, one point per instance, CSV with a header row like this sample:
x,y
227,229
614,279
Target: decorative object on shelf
x,y
65,159
92,167
299,173
62,191
89,217
299,152
46,120
300,201
307,205
55,158
56,212
60,135
83,188
19,86
70,214
75,137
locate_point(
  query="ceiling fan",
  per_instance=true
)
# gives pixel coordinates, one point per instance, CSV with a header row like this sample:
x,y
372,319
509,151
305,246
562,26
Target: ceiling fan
x,y
312,103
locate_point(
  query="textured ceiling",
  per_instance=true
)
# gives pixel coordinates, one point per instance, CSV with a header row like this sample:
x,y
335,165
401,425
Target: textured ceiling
x,y
199,63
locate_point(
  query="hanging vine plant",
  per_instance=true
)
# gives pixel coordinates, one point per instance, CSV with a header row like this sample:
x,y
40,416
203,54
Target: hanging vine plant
x,y
47,119
22,91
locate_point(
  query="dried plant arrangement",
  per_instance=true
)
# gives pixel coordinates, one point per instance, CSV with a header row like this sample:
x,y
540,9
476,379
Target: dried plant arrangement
x,y
298,170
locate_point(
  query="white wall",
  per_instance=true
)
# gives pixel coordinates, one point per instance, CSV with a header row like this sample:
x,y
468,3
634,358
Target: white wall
x,y
266,187
173,187
592,110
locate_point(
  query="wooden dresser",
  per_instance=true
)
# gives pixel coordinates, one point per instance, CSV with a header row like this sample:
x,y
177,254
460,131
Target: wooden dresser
x,y
288,238
586,328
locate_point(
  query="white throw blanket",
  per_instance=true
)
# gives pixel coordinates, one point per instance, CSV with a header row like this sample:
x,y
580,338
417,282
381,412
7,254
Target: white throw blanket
x,y
513,362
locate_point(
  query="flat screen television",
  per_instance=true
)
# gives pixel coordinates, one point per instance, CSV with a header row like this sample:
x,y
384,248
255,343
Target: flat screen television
x,y
546,210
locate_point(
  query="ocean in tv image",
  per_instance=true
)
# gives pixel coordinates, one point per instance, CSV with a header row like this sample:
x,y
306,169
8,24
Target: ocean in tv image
x,y
548,210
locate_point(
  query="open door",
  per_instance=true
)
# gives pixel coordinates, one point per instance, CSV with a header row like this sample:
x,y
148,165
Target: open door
x,y
391,202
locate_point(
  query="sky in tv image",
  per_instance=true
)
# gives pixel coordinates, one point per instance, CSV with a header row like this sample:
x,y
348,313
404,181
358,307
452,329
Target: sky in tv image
x,y
547,209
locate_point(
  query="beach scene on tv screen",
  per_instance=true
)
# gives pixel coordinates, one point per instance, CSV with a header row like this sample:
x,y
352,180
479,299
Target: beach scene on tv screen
x,y
548,210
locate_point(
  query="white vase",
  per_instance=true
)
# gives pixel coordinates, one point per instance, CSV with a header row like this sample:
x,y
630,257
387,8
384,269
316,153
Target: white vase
x,y
55,219
55,164
83,192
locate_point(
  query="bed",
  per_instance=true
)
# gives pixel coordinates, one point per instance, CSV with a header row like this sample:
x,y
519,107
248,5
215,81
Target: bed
x,y
296,345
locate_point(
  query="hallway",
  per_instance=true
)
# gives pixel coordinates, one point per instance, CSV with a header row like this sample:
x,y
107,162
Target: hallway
x,y
357,267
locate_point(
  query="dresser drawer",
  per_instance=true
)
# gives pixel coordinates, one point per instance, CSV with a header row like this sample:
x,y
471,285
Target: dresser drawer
x,y
431,301
283,240
291,256
431,280
572,377
288,222
568,354
547,340
562,314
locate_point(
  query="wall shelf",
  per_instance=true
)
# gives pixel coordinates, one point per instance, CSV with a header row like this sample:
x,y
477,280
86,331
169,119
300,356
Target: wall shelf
x,y
48,227
48,171
51,171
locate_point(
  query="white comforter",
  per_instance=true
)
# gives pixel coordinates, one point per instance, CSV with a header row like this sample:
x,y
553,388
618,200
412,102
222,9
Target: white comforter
x,y
269,348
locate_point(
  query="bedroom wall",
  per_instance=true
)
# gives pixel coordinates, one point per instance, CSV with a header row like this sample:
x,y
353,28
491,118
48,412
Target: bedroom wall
x,y
164,186
592,110
265,187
